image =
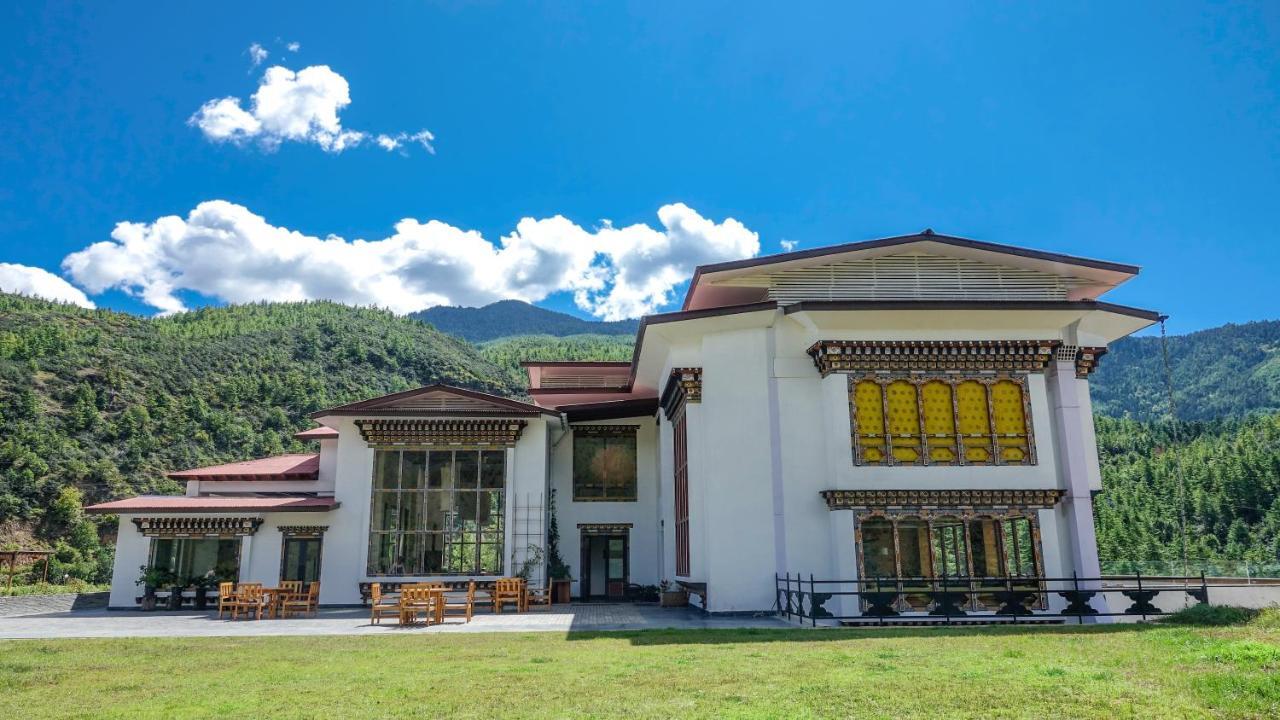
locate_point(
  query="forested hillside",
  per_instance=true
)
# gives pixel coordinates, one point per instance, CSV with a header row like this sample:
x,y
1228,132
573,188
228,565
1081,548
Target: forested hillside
x,y
107,402
508,318
1220,372
508,353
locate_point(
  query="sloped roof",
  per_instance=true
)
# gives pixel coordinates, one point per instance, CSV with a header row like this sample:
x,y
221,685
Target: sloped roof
x,y
317,433
281,467
182,503
438,401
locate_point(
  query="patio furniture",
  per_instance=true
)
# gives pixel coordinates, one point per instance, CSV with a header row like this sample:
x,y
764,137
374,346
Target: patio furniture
x,y
306,603
291,586
378,607
535,595
463,605
508,590
425,602
252,599
226,594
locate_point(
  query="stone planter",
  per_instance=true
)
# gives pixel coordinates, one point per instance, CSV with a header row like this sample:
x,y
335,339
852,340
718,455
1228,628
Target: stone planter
x,y
560,591
674,598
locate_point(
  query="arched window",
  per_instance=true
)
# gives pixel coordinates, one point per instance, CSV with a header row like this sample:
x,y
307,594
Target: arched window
x,y
904,422
1010,421
974,421
939,422
868,403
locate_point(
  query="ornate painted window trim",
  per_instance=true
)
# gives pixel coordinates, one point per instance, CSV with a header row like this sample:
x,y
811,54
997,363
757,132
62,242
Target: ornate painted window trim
x,y
300,531
178,527
832,356
949,501
435,433
604,528
954,380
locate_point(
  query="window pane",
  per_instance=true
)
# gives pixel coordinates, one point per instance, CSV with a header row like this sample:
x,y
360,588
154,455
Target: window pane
x,y
904,422
974,421
489,510
385,511
433,551
983,546
493,465
439,505
386,470
440,470
878,557
381,553
586,484
949,556
604,466
467,467
411,511
413,469
490,559
869,409
913,545
618,467
468,508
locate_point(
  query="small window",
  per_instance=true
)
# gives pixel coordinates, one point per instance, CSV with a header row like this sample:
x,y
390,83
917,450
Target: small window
x,y
604,463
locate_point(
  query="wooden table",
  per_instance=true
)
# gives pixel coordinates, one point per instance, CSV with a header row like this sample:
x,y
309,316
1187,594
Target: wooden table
x,y
277,595
435,600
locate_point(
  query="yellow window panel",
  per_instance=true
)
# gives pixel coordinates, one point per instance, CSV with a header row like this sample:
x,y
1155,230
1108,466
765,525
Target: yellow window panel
x,y
904,422
869,405
1007,406
939,421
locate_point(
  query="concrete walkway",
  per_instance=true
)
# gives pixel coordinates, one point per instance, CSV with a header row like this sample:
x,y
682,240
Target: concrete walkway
x,y
559,618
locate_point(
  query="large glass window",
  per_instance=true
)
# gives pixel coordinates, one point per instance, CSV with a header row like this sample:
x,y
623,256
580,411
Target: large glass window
x,y
912,547
604,463
940,421
198,557
437,512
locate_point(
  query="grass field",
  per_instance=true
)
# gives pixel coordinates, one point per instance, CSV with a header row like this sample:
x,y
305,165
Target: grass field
x,y
1091,672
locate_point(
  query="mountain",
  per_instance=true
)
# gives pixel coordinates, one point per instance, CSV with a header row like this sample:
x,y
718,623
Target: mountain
x,y
106,403
512,317
1220,372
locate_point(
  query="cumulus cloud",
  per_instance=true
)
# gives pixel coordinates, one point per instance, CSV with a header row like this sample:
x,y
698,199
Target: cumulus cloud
x,y
788,245
222,250
300,106
27,280
257,55
293,46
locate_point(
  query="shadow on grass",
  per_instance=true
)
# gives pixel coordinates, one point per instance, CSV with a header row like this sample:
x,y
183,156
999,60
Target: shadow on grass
x,y
718,636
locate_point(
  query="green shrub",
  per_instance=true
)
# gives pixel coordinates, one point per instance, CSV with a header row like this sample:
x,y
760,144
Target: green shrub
x,y
1211,615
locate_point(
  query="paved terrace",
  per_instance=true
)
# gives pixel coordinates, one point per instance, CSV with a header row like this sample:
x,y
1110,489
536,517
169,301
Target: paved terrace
x,y
348,621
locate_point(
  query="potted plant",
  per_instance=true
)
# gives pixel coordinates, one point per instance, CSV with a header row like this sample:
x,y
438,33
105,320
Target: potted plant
x,y
202,584
176,586
150,578
557,570
672,595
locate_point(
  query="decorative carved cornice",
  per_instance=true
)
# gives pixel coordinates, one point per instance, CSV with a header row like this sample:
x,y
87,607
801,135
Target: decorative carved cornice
x,y
604,528
197,526
303,530
872,355
605,430
485,433
1087,360
683,386
882,499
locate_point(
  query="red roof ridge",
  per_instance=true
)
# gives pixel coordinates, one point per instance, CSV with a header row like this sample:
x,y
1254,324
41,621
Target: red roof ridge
x,y
293,466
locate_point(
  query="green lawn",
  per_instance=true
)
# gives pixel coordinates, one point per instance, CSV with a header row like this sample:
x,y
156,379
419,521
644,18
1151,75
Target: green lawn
x,y
1105,672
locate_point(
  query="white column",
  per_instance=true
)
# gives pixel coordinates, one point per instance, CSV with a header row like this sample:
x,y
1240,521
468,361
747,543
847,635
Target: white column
x,y
1073,464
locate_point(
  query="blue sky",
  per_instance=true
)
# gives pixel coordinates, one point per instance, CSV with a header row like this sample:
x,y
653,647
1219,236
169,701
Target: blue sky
x,y
1142,133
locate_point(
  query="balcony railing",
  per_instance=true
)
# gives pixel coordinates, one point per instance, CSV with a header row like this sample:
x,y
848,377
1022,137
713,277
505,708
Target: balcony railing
x,y
894,600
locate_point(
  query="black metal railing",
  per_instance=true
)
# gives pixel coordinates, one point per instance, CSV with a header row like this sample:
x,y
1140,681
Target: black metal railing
x,y
885,600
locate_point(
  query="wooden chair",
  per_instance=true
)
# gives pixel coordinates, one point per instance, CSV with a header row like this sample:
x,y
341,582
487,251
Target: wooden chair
x,y
306,603
251,599
534,595
417,601
226,595
378,608
508,590
463,605
291,587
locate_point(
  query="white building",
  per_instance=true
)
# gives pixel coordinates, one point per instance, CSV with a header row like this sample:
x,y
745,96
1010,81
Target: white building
x,y
908,407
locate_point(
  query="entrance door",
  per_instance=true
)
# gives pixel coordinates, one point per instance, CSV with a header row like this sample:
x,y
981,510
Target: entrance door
x,y
604,567
301,559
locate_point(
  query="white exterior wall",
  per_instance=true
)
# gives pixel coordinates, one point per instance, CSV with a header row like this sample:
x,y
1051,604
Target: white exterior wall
x,y
133,550
643,538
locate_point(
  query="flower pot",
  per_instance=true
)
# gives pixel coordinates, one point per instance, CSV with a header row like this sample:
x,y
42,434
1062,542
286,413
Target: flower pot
x,y
148,603
560,591
175,598
202,599
674,598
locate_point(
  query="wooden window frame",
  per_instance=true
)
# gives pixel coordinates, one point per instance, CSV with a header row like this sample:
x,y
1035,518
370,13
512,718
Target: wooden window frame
x,y
680,446
631,432
919,379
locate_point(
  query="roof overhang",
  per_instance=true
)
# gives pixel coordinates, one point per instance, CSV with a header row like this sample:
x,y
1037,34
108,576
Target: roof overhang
x,y
283,467
187,504
450,401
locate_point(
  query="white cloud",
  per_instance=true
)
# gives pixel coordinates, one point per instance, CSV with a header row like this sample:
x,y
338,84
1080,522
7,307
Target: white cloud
x,y
224,251
257,55
293,46
788,245
27,280
300,106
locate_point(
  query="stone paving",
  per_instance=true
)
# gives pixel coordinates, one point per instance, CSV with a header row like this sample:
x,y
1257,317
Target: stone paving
x,y
350,621
33,604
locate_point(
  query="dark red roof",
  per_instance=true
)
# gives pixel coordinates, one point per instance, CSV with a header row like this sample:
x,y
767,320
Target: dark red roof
x,y
281,467
182,503
317,433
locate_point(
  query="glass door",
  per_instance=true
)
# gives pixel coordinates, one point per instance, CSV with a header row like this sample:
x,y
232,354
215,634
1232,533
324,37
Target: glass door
x,y
301,559
616,567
